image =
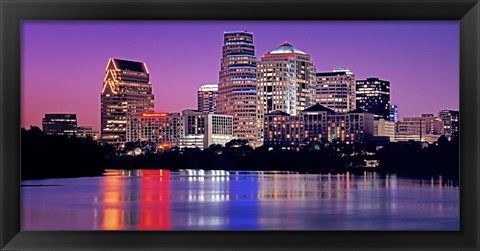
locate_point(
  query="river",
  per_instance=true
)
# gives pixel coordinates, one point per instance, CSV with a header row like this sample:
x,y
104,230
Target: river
x,y
239,200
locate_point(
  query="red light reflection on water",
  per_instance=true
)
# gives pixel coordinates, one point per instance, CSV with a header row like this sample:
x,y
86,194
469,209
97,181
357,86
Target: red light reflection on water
x,y
155,200
151,196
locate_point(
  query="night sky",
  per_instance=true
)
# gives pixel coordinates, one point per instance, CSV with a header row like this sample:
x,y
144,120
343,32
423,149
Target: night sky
x,y
63,63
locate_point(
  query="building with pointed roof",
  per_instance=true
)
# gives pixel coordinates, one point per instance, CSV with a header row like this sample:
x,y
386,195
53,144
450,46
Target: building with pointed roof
x,y
126,93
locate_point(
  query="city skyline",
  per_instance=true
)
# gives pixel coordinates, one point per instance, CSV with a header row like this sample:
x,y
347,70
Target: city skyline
x,y
48,49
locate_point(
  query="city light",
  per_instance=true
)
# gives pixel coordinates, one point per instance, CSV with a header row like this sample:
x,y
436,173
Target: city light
x,y
162,114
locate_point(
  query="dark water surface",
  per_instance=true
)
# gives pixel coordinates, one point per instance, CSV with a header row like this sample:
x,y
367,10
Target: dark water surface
x,y
223,200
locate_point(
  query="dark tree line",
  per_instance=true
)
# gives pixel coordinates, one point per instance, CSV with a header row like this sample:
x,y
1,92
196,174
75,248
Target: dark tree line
x,y
440,158
45,156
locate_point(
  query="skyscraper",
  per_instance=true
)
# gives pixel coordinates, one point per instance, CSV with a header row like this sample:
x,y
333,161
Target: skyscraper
x,y
60,124
285,82
207,98
237,93
126,93
373,96
336,90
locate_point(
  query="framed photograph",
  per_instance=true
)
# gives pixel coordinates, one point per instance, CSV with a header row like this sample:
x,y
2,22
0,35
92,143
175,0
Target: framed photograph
x,y
240,125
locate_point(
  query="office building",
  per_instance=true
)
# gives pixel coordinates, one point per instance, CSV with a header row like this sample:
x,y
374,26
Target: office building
x,y
285,82
282,129
126,93
350,127
201,130
450,123
426,128
373,96
237,88
384,128
159,128
218,129
207,98
394,113
314,124
60,124
87,131
189,129
336,90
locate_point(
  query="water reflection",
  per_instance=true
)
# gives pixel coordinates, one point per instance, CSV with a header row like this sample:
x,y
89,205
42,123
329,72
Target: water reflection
x,y
135,200
241,200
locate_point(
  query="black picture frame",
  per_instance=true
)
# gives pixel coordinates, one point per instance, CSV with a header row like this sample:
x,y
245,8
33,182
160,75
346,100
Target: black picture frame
x,y
14,11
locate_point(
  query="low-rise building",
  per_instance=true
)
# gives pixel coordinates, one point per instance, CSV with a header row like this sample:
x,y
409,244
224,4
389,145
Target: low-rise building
x,y
87,131
426,128
189,129
60,124
384,128
316,123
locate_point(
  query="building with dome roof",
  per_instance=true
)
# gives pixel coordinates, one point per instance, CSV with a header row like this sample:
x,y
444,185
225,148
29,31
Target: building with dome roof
x,y
285,82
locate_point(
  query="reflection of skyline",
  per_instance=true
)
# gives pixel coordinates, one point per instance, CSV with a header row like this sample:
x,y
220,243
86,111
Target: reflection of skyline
x,y
215,200
155,200
123,198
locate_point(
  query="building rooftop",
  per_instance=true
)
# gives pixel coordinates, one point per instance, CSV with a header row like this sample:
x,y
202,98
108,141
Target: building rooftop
x,y
334,73
286,48
209,87
233,32
318,108
130,65
358,110
278,113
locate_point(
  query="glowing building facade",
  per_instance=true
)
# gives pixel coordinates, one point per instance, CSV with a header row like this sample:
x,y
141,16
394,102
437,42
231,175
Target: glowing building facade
x,y
201,130
373,96
385,128
207,98
127,93
426,128
159,128
336,90
316,123
237,89
218,129
285,82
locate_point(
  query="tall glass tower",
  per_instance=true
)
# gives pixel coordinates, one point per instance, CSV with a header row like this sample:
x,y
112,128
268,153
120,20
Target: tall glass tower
x,y
237,89
126,93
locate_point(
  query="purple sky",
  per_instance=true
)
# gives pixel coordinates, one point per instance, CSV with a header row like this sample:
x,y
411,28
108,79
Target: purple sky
x,y
63,63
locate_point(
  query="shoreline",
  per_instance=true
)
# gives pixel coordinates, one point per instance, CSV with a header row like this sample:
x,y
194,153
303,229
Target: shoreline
x,y
354,171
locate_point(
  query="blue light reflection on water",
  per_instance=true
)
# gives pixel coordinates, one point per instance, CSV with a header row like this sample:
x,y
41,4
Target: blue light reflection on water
x,y
239,200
